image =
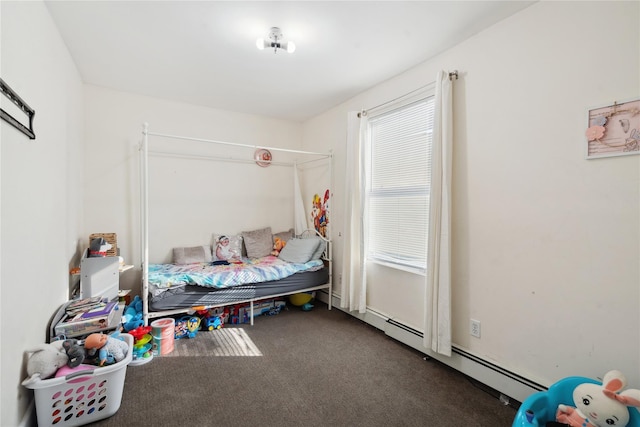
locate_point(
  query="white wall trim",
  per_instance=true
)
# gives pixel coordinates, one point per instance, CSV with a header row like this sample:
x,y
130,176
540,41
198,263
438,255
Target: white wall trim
x,y
509,384
29,418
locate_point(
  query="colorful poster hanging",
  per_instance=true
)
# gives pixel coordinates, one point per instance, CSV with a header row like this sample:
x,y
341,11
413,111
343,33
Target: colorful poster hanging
x,y
320,213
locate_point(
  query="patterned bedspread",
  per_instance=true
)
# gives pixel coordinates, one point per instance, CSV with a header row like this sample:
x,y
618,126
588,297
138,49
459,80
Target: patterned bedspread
x,y
164,276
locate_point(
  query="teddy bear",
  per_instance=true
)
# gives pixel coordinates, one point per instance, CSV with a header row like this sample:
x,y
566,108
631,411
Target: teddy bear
x,y
278,244
600,405
108,348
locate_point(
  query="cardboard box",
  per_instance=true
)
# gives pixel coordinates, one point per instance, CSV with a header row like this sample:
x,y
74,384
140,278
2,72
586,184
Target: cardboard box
x,y
73,326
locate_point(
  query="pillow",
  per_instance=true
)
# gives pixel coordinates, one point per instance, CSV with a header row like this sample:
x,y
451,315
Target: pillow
x,y
258,243
284,235
192,255
227,247
299,250
322,245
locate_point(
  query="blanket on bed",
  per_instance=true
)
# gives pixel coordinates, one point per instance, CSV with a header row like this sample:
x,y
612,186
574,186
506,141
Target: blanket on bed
x,y
257,270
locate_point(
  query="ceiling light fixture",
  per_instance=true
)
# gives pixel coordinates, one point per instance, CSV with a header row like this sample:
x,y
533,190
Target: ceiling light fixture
x,y
275,37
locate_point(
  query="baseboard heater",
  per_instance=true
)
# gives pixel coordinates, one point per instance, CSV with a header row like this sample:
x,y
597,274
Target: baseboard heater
x,y
509,386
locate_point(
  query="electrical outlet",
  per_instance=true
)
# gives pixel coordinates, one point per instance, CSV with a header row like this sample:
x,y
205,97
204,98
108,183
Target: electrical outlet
x,y
475,328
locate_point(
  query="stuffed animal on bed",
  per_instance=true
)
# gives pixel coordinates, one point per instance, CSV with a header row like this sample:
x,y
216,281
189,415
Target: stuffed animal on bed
x,y
600,405
278,244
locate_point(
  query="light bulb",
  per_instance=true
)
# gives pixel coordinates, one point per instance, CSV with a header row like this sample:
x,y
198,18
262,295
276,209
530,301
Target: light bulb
x,y
260,44
291,47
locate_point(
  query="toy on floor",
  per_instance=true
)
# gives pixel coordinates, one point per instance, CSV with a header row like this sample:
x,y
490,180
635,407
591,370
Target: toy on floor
x,y
600,405
187,327
193,325
108,348
44,362
211,318
302,300
211,323
142,347
139,332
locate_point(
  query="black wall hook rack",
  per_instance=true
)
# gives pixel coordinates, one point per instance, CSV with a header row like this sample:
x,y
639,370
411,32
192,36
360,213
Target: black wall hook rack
x,y
9,93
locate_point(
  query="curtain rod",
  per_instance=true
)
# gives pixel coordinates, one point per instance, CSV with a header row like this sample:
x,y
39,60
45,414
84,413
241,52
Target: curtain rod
x,y
452,75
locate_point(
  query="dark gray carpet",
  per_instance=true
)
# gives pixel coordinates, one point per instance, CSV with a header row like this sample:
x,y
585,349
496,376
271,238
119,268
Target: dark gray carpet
x,y
229,341
318,368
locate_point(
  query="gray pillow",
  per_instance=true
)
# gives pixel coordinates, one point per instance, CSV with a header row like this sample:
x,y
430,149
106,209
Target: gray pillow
x,y
284,235
258,243
299,250
191,255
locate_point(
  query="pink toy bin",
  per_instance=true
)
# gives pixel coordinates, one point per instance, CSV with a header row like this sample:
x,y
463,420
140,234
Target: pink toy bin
x,y
82,397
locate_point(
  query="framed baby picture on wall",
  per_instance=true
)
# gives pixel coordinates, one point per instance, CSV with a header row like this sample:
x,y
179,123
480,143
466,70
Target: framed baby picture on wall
x,y
613,130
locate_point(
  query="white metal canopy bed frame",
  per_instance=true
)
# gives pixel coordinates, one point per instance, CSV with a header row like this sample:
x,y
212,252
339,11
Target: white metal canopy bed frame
x,y
300,230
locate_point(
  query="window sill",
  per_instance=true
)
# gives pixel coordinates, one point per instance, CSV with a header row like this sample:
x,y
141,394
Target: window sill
x,y
408,269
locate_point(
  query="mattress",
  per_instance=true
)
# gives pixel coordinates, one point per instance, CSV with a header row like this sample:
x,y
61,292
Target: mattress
x,y
193,295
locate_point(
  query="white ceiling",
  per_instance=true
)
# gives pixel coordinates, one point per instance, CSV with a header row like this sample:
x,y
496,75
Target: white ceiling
x,y
204,53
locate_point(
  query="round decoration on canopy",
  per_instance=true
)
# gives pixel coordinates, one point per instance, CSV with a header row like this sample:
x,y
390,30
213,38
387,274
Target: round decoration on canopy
x,y
263,157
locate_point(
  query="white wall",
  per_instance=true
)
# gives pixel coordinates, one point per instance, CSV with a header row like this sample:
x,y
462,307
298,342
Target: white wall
x,y
189,199
41,190
545,243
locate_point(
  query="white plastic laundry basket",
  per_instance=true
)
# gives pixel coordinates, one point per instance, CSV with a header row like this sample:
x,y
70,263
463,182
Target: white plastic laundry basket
x,y
82,397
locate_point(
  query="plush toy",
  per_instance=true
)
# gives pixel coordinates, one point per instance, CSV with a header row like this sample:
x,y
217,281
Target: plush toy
x,y
44,362
278,244
132,317
98,247
75,352
600,405
108,348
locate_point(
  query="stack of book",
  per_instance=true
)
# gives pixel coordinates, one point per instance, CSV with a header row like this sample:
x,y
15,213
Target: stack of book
x,y
86,316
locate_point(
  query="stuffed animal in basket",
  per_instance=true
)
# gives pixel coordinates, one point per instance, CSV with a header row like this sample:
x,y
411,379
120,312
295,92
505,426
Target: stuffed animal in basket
x,y
600,405
108,348
44,362
75,352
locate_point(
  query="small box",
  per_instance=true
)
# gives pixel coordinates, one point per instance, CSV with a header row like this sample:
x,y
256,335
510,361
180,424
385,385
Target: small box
x,y
73,326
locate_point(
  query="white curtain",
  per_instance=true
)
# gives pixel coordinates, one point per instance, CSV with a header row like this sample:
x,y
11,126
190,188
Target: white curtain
x,y
437,330
300,217
354,278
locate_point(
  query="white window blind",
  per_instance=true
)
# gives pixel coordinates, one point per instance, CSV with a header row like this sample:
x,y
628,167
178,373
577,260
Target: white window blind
x,y
398,181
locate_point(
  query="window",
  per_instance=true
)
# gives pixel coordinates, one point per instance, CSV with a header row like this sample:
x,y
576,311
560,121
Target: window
x,y
398,162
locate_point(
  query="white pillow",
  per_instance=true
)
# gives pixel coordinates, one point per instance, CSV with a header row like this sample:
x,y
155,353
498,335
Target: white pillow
x,y
226,247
